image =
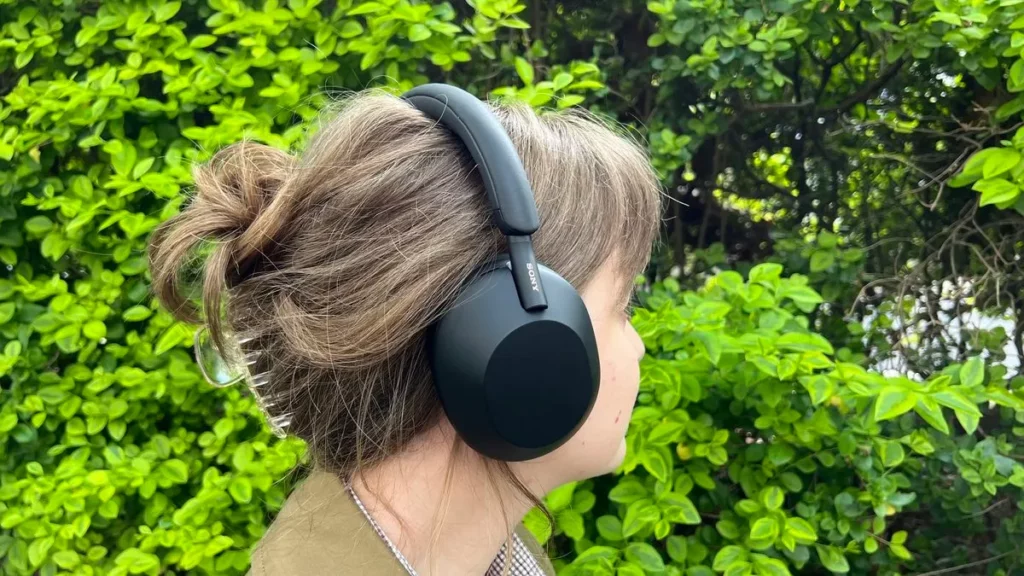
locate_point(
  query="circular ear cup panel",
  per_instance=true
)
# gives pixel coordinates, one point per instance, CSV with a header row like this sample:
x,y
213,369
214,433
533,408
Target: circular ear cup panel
x,y
534,385
515,384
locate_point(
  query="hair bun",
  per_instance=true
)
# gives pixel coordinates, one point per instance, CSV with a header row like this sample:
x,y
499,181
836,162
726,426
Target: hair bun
x,y
233,193
235,187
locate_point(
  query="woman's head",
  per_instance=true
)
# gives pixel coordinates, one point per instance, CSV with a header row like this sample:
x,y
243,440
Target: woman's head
x,y
332,265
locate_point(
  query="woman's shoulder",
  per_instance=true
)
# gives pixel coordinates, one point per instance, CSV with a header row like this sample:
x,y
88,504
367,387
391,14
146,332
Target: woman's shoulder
x,y
320,530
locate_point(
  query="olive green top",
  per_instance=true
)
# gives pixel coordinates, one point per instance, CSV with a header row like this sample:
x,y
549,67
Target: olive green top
x,y
321,530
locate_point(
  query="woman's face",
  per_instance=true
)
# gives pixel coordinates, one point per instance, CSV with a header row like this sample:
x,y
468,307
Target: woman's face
x,y
600,444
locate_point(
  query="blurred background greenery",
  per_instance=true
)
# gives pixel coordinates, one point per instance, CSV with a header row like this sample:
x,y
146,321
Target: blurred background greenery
x,y
833,320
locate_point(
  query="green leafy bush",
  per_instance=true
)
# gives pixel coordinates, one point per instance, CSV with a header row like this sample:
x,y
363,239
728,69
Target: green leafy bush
x,y
757,448
114,457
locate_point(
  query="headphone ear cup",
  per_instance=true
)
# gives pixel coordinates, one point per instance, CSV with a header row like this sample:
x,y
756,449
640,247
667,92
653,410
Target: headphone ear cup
x,y
515,384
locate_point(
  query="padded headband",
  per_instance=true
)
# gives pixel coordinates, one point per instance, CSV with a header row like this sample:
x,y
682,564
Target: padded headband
x,y
508,189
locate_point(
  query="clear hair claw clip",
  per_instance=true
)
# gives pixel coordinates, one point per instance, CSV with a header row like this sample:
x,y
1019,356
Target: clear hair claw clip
x,y
221,371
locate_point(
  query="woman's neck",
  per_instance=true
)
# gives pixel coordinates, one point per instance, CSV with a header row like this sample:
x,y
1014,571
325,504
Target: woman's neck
x,y
455,531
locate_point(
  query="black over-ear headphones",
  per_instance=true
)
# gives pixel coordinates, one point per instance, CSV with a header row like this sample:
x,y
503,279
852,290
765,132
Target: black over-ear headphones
x,y
515,360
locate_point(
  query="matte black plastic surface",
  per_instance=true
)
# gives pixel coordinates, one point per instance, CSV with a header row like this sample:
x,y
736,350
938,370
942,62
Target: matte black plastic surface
x,y
508,188
515,362
515,384
529,283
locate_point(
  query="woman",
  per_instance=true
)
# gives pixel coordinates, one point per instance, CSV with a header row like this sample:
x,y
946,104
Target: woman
x,y
335,267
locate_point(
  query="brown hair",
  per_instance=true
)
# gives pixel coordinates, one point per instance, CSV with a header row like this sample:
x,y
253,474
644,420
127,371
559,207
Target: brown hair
x,y
336,262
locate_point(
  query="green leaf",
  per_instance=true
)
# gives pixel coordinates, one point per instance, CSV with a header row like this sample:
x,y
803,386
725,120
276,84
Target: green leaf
x,y
639,515
801,530
729,280
946,17
37,551
996,191
791,482
780,454
560,497
628,569
136,313
681,509
972,373
655,463
767,365
175,470
609,527
537,523
1016,76
819,387
822,260
764,529
94,330
833,559
166,10
109,509
584,501
951,398
676,546
23,59
8,422
805,298
976,163
367,8
1010,108
525,70
770,566
240,489
900,552
773,497
1001,161
728,529
142,168
666,432
891,453
596,554
712,343
419,33
137,561
931,412
627,491
893,401
7,310
351,29
967,420
562,80
689,388
66,559
804,342
201,41
766,274
571,523
177,335
38,225
728,556
514,23
646,556
117,429
570,100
